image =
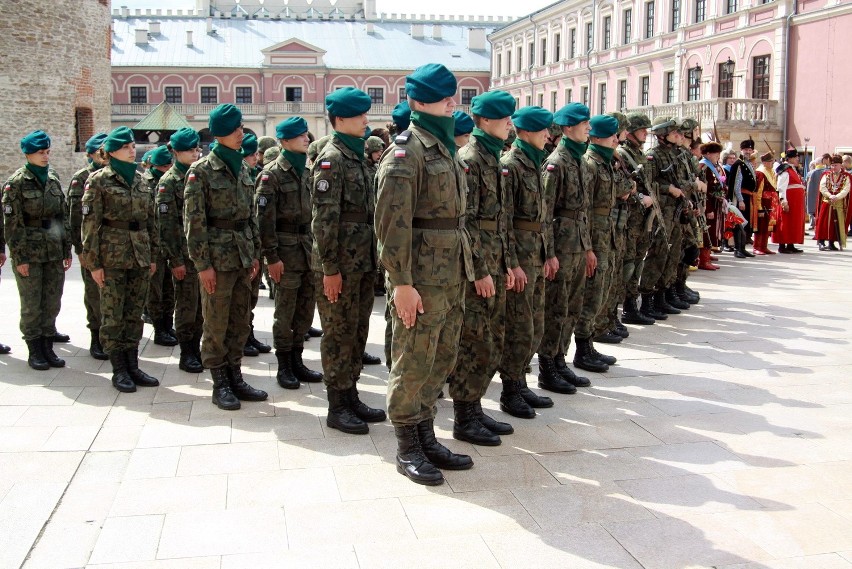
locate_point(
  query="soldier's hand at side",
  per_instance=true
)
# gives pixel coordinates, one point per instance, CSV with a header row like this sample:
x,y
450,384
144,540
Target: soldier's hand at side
x,y
153,268
98,277
66,263
255,269
275,270
2,259
179,272
520,280
208,280
332,285
485,287
591,263
510,280
408,304
24,269
551,267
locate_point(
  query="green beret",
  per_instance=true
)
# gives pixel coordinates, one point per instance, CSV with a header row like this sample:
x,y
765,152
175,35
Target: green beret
x,y
184,139
291,128
224,120
249,144
95,142
264,143
431,83
160,156
146,157
493,105
532,119
348,102
572,114
35,141
621,118
117,138
464,124
636,121
401,116
373,144
603,126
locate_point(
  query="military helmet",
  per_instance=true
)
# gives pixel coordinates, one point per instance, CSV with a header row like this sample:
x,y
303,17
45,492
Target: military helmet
x,y
374,144
270,155
688,126
621,118
663,126
636,121
265,142
316,147
511,138
554,130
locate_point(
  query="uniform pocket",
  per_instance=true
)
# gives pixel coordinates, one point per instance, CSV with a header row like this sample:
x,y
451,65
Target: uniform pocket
x,y
427,332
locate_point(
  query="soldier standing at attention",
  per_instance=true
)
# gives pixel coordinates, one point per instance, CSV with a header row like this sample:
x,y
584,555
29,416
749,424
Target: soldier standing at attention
x,y
283,201
373,149
224,244
91,293
343,258
4,349
34,216
485,299
120,245
423,245
170,199
564,179
531,243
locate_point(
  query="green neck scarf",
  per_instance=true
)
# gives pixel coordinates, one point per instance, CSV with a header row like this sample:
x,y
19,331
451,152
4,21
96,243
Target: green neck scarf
x,y
577,149
181,167
156,174
232,158
296,160
604,151
94,165
537,156
442,128
40,172
127,170
353,143
491,143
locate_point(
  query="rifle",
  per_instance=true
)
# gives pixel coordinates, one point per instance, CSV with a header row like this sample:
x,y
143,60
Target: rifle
x,y
637,174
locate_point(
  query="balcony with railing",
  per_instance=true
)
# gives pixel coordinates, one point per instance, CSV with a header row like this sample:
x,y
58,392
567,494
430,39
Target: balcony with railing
x,y
723,111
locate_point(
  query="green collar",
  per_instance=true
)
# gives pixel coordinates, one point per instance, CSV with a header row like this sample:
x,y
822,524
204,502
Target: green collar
x,y
577,149
537,156
605,152
353,143
442,128
491,143
297,161
127,170
233,159
40,173
181,167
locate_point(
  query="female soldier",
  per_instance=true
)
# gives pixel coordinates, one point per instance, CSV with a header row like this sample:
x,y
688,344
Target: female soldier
x,y
120,242
34,212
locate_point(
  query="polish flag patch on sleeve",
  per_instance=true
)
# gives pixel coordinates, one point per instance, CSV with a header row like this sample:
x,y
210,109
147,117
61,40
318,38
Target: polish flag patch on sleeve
x,y
191,178
86,189
325,165
7,188
505,171
75,183
162,189
264,177
399,153
551,167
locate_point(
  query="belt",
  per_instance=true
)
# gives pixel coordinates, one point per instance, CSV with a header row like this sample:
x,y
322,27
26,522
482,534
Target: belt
x,y
601,210
441,223
356,217
228,224
524,225
126,225
43,223
569,213
487,224
284,227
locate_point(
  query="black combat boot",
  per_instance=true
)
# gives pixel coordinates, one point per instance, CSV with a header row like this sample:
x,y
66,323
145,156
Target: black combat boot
x,y
608,337
513,403
648,308
439,455
223,397
533,399
661,305
630,313
303,373
370,359
585,359
550,379
620,328
608,360
60,338
47,349
121,380
466,426
36,358
362,410
314,332
496,427
4,349
568,374
170,324
250,351
341,417
675,300
258,345
411,462
685,293
242,390
285,376
95,348
188,360
162,336
138,376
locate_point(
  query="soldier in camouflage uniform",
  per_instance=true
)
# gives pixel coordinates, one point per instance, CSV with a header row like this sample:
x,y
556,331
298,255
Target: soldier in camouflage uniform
x,y
170,198
120,243
423,245
565,178
679,295
224,245
4,349
343,258
283,201
603,139
373,149
35,224
531,243
91,294
485,299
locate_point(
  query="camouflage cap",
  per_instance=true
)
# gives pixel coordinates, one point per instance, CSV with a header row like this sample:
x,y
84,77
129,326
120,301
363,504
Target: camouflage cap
x,y
663,126
688,126
636,121
374,144
316,146
621,118
270,155
264,143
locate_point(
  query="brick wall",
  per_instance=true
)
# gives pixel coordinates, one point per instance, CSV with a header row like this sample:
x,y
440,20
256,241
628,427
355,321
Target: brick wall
x,y
55,77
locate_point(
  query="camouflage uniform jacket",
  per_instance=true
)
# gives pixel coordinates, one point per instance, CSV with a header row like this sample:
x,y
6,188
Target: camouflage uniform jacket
x,y
419,180
565,181
35,218
527,203
343,207
486,202
75,205
602,200
284,215
665,168
109,200
644,184
170,200
218,216
689,171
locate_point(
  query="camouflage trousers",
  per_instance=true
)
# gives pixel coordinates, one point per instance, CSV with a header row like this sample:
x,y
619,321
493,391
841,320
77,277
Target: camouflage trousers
x,y
481,341
161,293
675,255
388,327
614,293
122,301
425,354
563,301
597,287
662,257
41,298
226,319
255,289
91,300
294,309
524,325
637,243
345,325
188,318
